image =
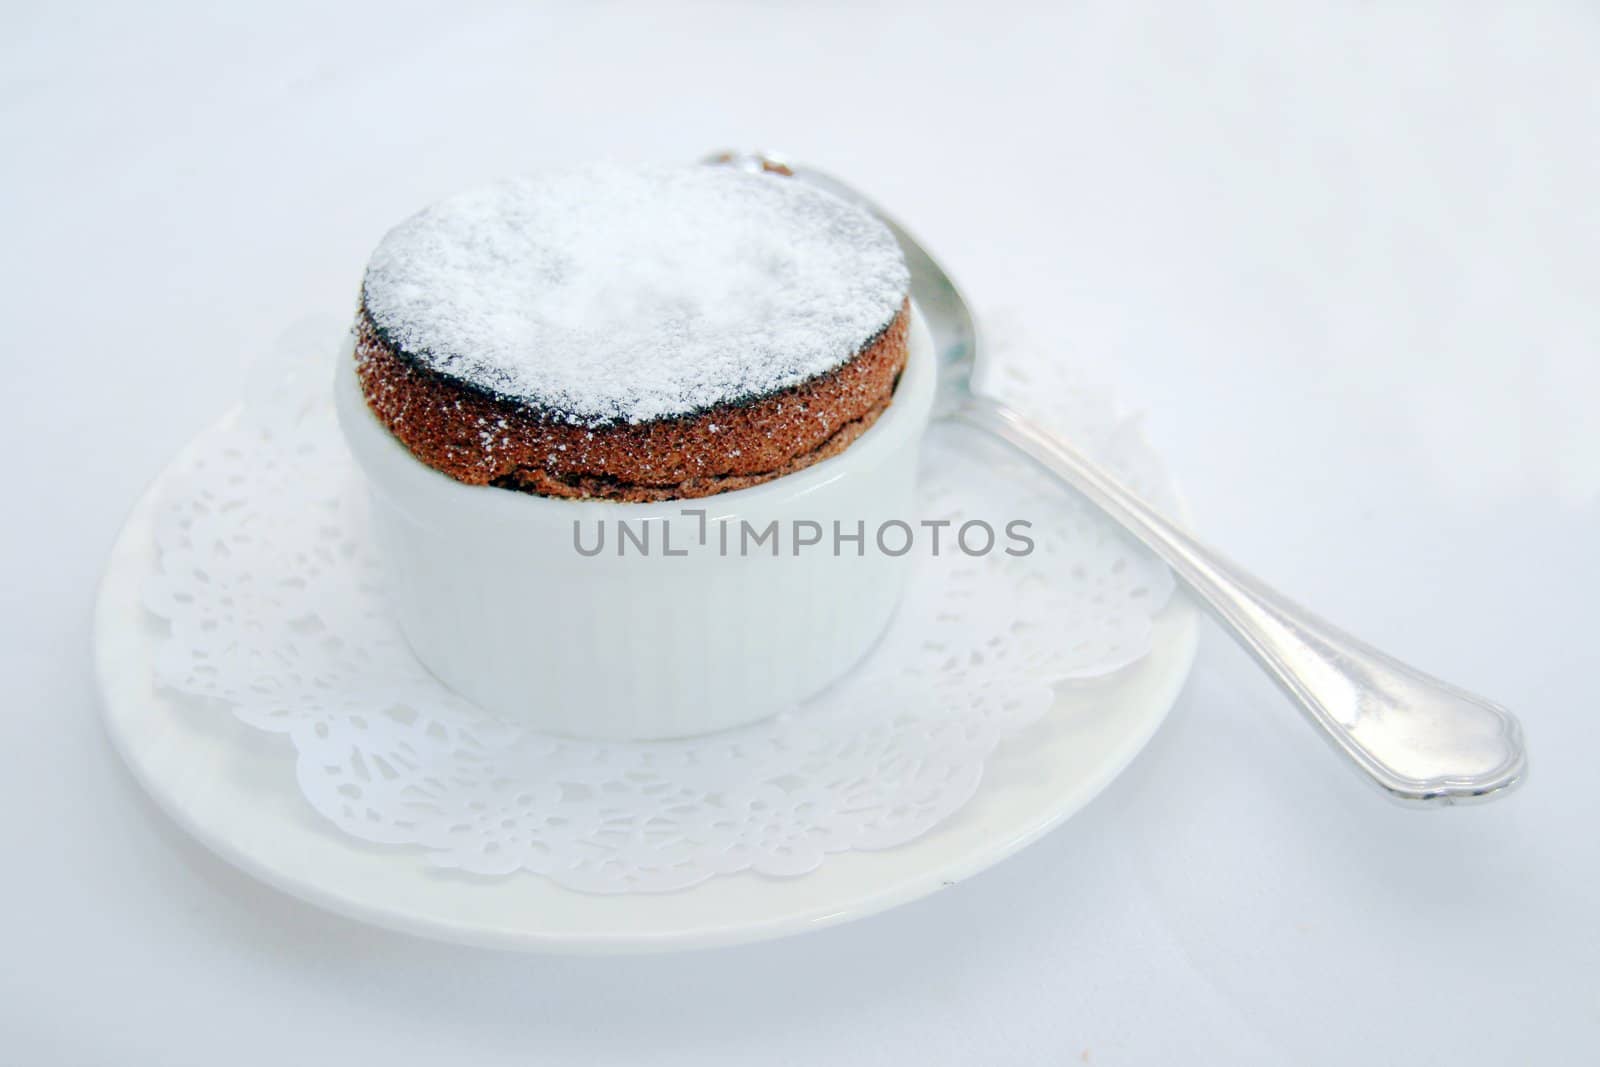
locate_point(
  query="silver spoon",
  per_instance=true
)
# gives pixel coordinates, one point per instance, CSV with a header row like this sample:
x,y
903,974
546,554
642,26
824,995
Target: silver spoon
x,y
1422,740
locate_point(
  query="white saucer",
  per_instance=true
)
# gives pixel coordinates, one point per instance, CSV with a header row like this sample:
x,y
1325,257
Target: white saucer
x,y
231,787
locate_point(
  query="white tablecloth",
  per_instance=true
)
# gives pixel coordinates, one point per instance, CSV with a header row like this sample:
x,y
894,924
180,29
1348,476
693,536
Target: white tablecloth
x,y
1346,261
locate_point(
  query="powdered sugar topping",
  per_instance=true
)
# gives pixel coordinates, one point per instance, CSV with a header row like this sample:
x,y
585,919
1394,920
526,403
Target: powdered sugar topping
x,y
616,294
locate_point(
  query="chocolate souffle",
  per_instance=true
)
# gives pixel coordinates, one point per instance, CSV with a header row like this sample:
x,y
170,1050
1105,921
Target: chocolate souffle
x,y
633,334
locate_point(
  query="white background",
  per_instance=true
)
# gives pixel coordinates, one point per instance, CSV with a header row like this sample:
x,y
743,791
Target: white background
x,y
1345,258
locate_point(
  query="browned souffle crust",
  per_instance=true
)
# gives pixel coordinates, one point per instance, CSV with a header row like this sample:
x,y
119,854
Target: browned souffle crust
x,y
482,439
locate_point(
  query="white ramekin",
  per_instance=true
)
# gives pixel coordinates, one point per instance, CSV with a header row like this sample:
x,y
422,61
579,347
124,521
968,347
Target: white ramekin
x,y
497,602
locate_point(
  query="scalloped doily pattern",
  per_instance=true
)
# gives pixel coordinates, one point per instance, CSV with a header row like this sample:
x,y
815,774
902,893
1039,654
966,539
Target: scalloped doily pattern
x,y
274,604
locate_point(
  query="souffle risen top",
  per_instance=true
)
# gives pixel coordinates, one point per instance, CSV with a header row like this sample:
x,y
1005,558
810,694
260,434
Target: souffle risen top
x,y
612,294
634,334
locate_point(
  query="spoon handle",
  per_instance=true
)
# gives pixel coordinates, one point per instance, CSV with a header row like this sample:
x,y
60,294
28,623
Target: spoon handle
x,y
1422,740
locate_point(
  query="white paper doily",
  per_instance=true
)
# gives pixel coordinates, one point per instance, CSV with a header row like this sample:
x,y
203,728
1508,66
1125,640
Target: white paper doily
x,y
272,599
